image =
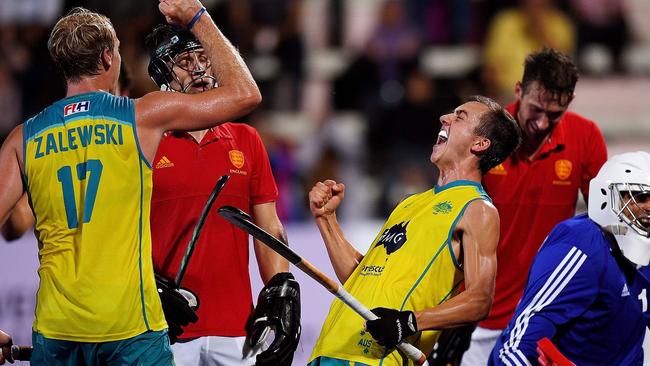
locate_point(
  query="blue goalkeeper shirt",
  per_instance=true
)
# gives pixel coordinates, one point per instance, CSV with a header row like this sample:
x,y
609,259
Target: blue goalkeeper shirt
x,y
584,296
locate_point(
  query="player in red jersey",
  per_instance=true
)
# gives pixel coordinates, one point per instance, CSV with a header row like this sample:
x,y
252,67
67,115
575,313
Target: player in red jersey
x,y
536,187
186,167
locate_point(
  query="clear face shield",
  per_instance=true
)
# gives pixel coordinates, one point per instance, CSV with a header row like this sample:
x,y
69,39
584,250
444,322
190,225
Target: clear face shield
x,y
632,206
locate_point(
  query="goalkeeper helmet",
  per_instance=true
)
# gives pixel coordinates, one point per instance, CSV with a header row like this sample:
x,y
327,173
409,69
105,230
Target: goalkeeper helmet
x,y
170,47
619,201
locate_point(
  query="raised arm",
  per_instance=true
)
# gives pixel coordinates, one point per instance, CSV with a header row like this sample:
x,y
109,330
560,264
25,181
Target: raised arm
x,y
11,184
268,261
478,232
236,95
324,199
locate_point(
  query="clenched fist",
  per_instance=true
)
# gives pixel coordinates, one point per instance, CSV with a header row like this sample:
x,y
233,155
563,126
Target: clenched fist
x,y
179,12
325,197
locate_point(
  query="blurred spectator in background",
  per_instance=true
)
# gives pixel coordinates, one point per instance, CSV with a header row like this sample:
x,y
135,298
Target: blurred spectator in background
x,y
602,22
404,132
10,103
514,33
375,78
448,21
393,47
277,52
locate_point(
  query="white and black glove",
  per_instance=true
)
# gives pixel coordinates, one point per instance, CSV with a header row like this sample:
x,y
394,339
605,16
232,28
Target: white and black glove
x,y
179,306
278,309
392,326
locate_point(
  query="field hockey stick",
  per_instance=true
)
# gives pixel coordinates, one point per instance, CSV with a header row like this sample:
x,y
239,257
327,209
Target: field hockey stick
x,y
221,182
242,220
17,353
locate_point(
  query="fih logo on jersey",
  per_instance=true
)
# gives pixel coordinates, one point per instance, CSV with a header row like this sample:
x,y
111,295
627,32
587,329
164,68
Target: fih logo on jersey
x,y
77,107
393,239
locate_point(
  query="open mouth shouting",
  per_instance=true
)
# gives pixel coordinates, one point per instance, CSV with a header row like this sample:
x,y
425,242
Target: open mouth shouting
x,y
442,137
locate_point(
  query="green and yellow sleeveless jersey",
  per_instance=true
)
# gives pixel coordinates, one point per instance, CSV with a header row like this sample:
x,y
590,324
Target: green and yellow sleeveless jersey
x,y
409,266
90,190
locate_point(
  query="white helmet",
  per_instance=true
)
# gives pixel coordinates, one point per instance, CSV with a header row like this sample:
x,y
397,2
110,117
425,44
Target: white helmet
x,y
615,195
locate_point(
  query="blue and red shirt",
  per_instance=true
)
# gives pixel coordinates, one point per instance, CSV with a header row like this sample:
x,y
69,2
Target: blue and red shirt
x,y
532,196
185,172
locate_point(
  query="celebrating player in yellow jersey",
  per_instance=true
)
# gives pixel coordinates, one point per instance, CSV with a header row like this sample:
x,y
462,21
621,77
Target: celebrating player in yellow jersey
x,y
84,162
431,242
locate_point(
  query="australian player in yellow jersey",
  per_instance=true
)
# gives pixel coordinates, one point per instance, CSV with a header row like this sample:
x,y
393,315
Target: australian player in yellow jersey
x,y
431,243
85,164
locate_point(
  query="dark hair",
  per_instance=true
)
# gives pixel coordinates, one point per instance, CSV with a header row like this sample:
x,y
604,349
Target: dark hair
x,y
77,42
498,126
163,34
554,71
164,43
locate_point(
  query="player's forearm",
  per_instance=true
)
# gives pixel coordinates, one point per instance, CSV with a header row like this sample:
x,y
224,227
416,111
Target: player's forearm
x,y
228,66
467,307
270,262
343,255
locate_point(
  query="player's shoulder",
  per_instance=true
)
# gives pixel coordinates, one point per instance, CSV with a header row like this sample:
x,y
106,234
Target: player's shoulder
x,y
238,127
237,130
580,232
574,120
481,209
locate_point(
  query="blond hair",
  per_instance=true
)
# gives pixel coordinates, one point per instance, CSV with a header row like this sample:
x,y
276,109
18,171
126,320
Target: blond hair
x,y
77,42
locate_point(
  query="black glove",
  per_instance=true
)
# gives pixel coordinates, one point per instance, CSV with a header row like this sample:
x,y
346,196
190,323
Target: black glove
x,y
392,326
451,346
179,306
278,309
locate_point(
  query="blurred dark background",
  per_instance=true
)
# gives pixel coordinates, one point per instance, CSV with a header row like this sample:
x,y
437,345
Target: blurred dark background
x,y
353,89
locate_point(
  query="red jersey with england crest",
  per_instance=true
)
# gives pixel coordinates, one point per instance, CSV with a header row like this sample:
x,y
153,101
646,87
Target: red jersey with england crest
x,y
185,172
534,195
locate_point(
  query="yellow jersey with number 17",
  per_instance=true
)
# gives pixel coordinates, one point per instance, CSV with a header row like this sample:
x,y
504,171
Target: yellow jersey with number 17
x,y
90,188
409,266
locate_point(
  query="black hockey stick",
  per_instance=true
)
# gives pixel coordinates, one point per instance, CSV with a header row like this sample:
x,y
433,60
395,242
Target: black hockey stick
x,y
17,353
242,220
197,230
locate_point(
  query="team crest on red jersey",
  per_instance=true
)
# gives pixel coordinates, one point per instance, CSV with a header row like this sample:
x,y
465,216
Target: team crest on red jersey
x,y
77,107
563,169
236,158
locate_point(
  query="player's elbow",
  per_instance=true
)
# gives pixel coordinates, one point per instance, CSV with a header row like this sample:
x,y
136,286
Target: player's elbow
x,y
11,235
482,303
251,99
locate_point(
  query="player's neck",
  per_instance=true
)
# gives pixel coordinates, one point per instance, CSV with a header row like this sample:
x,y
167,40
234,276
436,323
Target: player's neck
x,y
458,171
87,85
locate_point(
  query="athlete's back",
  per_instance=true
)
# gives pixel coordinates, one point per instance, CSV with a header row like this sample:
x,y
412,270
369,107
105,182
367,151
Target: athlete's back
x,y
90,189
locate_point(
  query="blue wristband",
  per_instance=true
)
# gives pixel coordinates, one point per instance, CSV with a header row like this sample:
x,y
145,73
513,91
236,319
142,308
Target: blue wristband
x,y
195,19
